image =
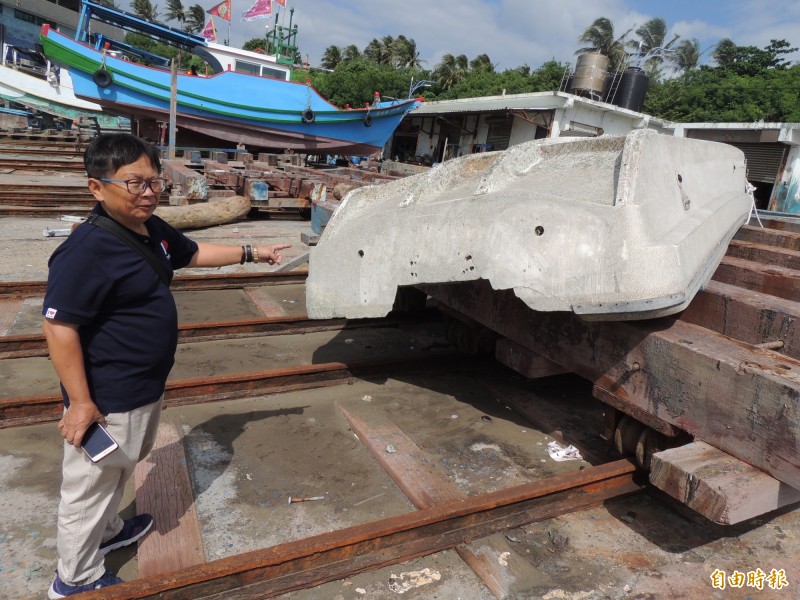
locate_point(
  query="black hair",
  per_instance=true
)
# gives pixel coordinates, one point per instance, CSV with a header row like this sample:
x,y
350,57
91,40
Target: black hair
x,y
109,151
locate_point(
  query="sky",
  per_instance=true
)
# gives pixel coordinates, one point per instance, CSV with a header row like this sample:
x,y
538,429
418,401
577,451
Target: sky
x,y
514,32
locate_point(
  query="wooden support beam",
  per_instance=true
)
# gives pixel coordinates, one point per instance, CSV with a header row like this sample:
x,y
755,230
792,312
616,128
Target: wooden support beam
x,y
718,486
767,255
767,279
164,490
741,399
525,362
747,316
427,485
789,240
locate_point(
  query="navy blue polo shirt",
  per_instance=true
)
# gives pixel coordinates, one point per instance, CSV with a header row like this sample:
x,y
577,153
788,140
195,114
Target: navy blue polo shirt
x,y
127,318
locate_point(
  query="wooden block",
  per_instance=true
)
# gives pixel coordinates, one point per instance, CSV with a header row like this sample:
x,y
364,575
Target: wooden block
x,y
768,255
742,399
718,486
164,490
746,315
265,302
523,361
426,485
789,240
767,279
309,239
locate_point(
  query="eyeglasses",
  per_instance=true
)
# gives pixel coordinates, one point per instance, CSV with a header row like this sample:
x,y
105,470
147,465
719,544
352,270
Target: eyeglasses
x,y
139,186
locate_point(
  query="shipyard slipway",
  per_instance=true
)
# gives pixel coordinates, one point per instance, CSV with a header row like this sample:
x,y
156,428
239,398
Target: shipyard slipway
x,y
612,228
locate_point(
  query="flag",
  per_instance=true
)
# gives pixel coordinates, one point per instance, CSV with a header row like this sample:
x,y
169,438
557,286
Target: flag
x,y
221,10
261,8
281,2
210,32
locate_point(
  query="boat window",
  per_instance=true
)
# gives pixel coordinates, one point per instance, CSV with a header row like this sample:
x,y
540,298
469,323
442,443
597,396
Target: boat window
x,y
274,73
246,67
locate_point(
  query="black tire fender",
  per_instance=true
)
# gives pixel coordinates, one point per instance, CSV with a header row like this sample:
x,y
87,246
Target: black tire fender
x,y
368,121
308,116
102,78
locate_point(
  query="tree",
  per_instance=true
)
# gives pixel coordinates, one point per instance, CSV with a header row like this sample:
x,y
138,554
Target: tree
x,y
482,63
404,52
600,37
686,55
377,52
750,60
144,9
331,57
195,19
175,12
351,52
451,70
652,37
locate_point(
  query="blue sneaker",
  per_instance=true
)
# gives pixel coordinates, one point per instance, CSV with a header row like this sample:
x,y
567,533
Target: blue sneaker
x,y
59,589
132,530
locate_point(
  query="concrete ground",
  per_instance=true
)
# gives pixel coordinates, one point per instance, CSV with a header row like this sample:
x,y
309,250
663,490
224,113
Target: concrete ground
x,y
248,456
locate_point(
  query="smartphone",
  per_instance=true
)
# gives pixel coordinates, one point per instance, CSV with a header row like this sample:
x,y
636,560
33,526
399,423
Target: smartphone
x,y
97,443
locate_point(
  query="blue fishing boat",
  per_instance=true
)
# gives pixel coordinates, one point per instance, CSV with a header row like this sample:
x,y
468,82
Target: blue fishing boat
x,y
249,99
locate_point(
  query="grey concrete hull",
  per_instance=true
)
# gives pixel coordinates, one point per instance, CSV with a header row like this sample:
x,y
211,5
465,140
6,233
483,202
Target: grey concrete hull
x,y
609,228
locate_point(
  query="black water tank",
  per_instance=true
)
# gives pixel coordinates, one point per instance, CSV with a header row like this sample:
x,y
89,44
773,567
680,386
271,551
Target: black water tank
x,y
632,89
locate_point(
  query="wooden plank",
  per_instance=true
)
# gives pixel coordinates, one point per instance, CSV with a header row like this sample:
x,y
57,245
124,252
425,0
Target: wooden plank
x,y
746,315
525,362
634,411
164,490
427,485
741,399
768,255
769,237
265,302
9,307
717,485
767,279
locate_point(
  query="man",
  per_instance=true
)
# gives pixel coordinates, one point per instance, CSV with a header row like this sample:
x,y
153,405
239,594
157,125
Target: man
x,y
111,326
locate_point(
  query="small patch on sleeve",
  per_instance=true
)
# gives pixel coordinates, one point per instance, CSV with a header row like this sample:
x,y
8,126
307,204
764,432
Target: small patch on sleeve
x,y
51,313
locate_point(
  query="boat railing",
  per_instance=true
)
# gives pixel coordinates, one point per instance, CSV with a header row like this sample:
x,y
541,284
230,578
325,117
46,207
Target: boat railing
x,y
25,61
100,41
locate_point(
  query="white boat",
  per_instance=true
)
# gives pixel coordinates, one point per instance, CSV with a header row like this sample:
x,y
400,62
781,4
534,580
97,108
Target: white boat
x,y
609,228
30,80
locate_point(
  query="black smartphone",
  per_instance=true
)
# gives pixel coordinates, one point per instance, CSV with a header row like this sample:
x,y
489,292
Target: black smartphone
x,y
97,443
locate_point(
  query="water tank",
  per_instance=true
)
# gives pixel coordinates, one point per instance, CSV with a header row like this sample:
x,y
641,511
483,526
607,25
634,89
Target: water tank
x,y
590,74
632,89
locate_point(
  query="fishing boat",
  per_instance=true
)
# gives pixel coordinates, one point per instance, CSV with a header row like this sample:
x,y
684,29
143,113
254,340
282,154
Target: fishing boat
x,y
27,78
249,99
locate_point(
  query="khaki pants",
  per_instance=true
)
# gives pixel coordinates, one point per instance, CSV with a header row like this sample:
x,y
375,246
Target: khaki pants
x,y
91,493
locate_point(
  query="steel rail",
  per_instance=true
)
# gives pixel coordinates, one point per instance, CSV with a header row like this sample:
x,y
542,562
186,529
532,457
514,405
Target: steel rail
x,y
29,410
32,345
340,554
216,281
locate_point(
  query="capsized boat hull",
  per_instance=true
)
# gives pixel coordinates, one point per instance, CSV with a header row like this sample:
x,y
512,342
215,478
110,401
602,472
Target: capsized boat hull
x,y
233,106
608,228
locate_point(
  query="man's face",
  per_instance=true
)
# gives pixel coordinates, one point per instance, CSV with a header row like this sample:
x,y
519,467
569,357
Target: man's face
x,y
129,209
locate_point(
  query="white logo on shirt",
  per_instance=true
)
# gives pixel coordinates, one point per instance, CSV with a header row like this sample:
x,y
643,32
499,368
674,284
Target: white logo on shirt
x,y
51,313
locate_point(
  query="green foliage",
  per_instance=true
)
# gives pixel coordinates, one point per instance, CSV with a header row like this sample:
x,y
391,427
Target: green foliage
x,y
145,9
355,82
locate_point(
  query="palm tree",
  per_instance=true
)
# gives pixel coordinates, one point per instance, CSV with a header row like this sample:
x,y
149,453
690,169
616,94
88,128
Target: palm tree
x,y
451,70
351,52
652,36
144,9
724,52
404,53
482,64
175,12
686,55
377,52
600,37
195,19
331,57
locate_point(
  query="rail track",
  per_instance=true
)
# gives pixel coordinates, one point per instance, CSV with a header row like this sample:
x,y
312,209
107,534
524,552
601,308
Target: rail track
x,y
312,561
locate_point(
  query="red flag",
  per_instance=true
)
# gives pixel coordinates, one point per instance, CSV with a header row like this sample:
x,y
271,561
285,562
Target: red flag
x,y
221,10
281,2
261,8
210,32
